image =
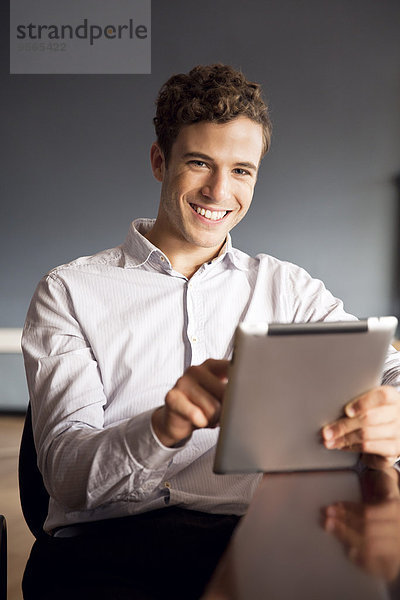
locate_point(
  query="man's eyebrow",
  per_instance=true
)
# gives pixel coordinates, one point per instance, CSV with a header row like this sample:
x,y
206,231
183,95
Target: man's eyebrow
x,y
245,165
198,155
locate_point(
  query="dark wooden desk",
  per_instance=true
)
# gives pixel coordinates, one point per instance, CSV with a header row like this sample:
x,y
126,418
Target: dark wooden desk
x,y
288,548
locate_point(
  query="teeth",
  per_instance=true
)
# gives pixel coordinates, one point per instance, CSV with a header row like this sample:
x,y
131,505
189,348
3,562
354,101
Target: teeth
x,y
214,215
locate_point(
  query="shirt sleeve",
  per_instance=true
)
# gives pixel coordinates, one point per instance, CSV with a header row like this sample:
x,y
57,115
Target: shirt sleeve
x,y
307,299
83,463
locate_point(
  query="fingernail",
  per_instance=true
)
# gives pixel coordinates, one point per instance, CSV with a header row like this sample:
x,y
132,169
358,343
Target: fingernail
x,y
350,411
330,524
331,511
330,443
328,433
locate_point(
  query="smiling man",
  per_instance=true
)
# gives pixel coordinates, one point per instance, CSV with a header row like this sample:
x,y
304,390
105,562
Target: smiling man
x,y
127,351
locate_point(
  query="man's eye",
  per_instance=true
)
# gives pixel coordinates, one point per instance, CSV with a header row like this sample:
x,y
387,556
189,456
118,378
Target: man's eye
x,y
198,163
240,171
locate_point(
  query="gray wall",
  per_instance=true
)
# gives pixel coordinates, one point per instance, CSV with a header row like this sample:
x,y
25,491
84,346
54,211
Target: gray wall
x,y
74,151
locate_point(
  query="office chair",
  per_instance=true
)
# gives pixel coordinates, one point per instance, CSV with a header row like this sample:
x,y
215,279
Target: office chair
x,y
3,558
33,495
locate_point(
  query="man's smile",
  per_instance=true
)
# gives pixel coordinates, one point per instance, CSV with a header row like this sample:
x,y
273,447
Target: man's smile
x,y
210,215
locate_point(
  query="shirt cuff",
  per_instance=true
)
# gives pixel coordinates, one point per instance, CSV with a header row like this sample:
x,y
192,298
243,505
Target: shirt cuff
x,y
144,446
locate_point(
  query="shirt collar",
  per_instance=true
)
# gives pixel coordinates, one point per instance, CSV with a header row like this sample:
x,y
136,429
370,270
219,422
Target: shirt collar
x,y
238,259
138,250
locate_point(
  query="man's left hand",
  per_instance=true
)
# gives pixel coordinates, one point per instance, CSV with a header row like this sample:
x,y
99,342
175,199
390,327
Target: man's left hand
x,y
371,426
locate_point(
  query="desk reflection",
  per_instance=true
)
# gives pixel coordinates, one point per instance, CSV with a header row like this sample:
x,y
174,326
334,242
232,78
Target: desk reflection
x,y
330,535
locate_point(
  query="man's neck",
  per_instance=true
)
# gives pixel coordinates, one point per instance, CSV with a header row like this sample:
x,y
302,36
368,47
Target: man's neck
x,y
184,258
189,264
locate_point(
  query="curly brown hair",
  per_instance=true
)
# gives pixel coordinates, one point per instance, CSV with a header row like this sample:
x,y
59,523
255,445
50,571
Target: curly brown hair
x,y
217,93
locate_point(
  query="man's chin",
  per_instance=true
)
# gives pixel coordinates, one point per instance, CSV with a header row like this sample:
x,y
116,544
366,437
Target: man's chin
x,y
209,243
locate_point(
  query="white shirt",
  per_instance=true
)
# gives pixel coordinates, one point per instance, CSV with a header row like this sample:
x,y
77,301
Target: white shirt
x,y
107,336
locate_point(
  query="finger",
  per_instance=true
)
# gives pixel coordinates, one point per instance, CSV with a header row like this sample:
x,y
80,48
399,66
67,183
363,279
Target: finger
x,y
179,406
340,428
368,519
369,528
388,413
363,435
199,405
345,510
219,368
384,415
387,511
351,516
381,396
208,376
351,443
345,534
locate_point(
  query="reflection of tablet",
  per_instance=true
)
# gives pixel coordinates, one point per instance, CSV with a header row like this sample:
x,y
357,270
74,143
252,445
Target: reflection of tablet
x,y
286,382
280,549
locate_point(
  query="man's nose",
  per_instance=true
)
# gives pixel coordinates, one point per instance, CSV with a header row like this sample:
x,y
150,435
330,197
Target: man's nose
x,y
217,187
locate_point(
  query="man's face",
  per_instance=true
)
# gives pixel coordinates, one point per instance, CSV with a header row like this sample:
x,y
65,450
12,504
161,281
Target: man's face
x,y
208,185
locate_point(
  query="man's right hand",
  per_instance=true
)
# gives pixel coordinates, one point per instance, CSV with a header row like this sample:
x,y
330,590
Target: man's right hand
x,y
193,403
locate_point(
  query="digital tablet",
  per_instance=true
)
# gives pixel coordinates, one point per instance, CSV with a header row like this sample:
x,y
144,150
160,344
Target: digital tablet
x,y
286,382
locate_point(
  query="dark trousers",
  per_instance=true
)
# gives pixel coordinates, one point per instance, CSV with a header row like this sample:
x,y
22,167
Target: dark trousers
x,y
168,553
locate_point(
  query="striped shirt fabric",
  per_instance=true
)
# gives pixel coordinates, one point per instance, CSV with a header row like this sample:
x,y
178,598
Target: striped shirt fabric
x,y
107,336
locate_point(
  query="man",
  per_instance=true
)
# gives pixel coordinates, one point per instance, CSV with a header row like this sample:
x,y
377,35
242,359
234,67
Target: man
x,y
127,351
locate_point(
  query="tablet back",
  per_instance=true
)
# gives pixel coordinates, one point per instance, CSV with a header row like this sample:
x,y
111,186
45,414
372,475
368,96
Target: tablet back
x,y
289,380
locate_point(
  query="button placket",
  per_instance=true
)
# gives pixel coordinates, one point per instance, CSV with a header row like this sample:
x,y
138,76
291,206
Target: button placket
x,y
195,322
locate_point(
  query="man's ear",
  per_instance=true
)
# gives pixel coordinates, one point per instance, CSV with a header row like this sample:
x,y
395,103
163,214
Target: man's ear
x,y
157,161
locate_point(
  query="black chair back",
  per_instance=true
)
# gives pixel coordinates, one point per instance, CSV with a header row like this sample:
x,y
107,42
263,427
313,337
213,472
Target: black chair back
x,y
33,495
3,558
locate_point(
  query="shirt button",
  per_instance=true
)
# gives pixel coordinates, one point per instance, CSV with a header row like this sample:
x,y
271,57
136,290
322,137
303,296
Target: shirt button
x,y
167,484
194,339
162,259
